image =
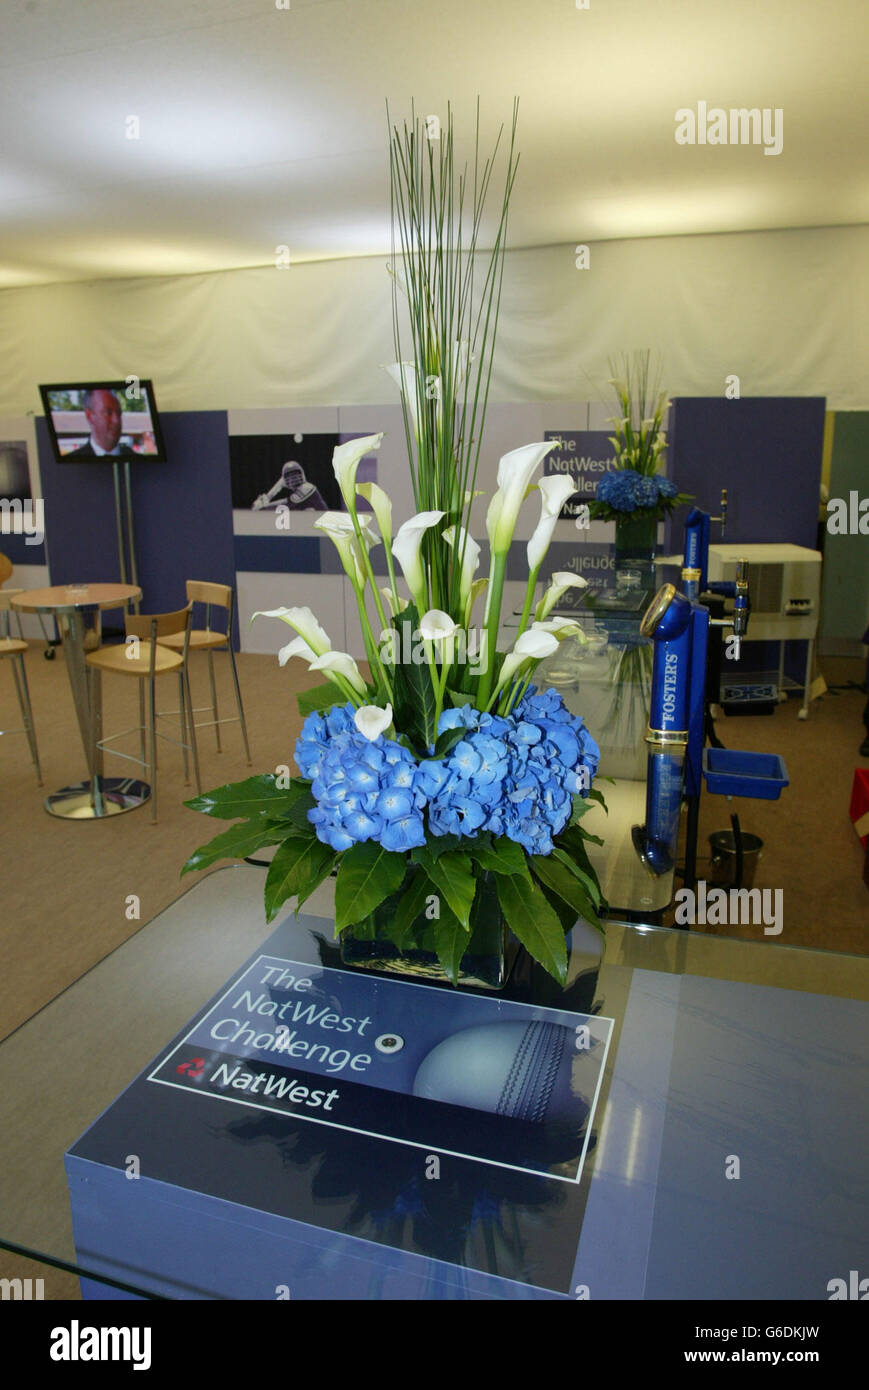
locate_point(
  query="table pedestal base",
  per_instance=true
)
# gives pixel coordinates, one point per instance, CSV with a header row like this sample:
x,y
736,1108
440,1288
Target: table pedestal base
x,y
111,796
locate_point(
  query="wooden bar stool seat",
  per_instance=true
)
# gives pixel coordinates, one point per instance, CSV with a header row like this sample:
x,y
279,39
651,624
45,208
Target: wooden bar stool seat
x,y
117,659
14,648
210,640
145,656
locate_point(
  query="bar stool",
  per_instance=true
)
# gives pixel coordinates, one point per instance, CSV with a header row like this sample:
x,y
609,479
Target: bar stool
x,y
146,659
14,648
207,639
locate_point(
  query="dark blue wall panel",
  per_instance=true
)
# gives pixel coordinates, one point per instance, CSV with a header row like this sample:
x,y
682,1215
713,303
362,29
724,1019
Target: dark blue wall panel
x,y
766,451
182,513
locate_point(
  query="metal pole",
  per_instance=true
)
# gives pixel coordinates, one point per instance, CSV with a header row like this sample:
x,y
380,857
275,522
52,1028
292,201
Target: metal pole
x,y
134,573
122,559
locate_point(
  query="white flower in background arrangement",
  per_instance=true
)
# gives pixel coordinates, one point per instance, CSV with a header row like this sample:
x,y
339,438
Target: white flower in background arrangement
x,y
372,721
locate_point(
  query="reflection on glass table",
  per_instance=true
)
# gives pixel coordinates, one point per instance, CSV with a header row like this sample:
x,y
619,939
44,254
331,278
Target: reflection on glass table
x,y
716,1048
607,680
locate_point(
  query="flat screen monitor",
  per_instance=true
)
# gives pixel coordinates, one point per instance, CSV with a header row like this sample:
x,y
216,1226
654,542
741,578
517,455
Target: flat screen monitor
x,y
103,421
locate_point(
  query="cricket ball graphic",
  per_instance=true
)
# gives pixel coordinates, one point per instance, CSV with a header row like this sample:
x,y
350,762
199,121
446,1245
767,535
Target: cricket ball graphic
x,y
522,1071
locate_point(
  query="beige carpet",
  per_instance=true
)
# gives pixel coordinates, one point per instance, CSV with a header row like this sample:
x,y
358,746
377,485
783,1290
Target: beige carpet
x,y
65,886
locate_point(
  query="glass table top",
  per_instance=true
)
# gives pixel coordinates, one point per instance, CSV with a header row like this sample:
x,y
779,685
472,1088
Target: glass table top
x,y
719,1050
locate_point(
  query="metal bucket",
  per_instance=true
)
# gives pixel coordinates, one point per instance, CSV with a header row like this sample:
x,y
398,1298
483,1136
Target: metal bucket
x,y
724,865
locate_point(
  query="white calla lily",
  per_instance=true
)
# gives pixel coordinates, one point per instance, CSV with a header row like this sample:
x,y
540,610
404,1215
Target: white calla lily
x,y
478,587
437,626
554,491
397,604
561,628
304,623
372,721
381,506
462,359
515,471
340,664
404,376
345,461
559,583
338,526
469,551
407,549
298,647
533,645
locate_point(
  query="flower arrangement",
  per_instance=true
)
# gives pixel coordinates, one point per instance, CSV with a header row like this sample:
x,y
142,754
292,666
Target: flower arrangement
x,y
636,488
442,784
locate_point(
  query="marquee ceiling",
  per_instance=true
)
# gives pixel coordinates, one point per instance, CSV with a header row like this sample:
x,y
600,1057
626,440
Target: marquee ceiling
x,y
261,127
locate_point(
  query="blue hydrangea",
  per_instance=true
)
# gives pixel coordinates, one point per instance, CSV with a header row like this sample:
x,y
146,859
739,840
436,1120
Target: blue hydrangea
x,y
512,775
364,789
617,489
626,490
646,492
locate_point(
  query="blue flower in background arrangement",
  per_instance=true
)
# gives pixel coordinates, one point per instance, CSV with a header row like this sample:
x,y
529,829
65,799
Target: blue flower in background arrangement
x,y
646,492
626,490
513,775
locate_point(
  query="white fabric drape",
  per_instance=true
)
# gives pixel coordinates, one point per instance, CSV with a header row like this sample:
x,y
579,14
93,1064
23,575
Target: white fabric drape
x,y
784,310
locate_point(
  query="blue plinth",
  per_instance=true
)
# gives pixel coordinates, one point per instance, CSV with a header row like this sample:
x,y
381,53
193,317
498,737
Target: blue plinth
x,y
317,1132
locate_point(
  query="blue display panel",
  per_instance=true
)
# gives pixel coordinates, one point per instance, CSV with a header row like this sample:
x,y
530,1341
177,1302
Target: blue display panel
x,y
315,1132
325,1109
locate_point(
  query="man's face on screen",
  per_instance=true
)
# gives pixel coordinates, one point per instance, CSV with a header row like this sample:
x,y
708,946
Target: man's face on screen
x,y
104,417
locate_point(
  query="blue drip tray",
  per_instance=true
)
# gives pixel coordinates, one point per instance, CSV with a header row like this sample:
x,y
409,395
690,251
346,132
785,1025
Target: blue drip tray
x,y
735,772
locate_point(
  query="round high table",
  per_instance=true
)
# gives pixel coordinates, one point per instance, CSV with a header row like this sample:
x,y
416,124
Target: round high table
x,y
97,796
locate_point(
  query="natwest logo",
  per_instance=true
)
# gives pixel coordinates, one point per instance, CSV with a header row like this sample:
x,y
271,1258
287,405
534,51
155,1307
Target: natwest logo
x,y
193,1068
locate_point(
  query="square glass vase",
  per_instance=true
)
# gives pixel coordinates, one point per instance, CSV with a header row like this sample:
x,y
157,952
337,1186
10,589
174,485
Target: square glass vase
x,y
486,964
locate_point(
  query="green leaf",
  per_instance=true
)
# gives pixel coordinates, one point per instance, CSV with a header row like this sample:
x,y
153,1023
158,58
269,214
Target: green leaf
x,y
452,877
596,795
582,872
536,924
557,877
501,856
411,905
299,865
235,843
459,698
436,846
318,698
447,741
296,814
253,797
415,703
366,875
451,942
